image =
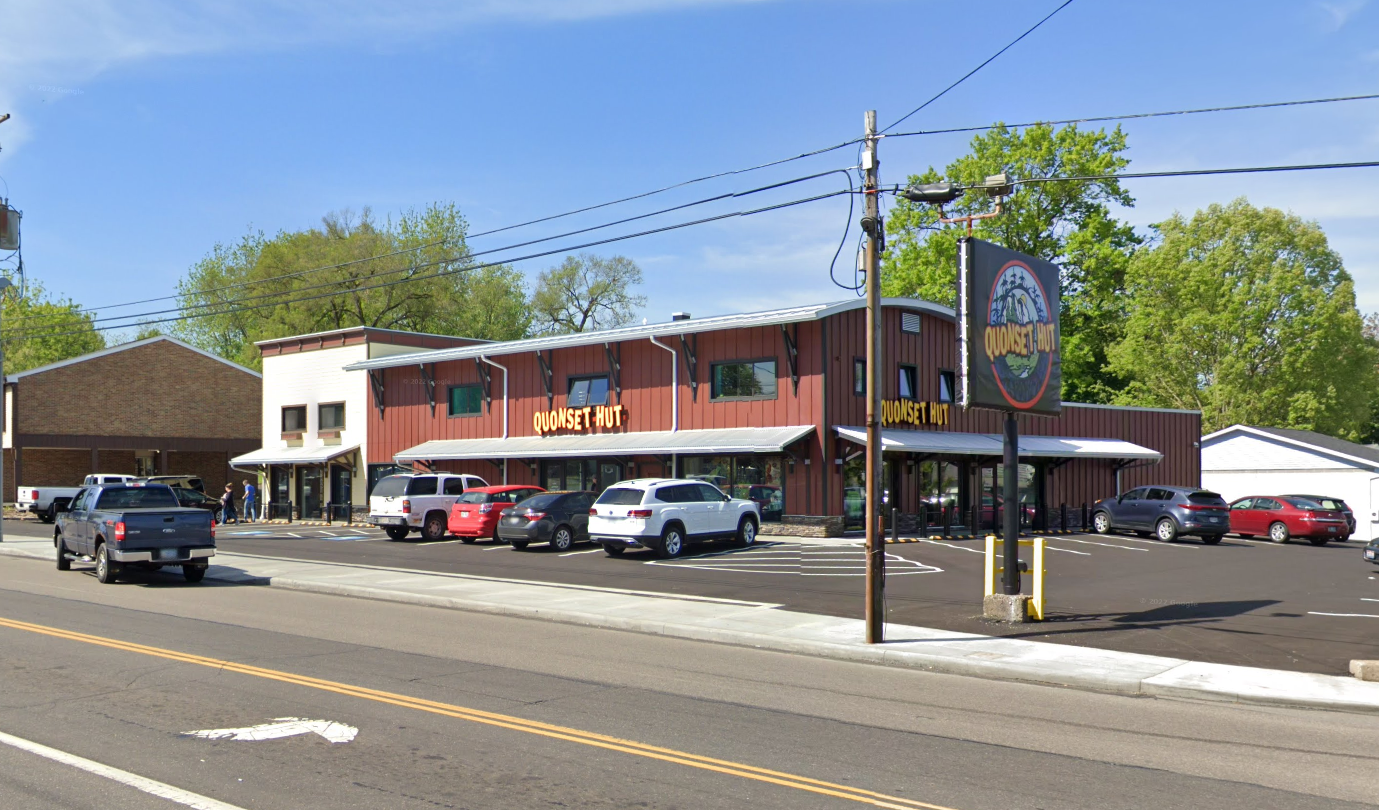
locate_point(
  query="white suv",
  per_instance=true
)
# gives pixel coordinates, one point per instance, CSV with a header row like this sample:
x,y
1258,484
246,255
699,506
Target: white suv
x,y
665,513
400,504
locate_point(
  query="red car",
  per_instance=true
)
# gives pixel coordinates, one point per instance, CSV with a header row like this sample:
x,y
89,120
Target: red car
x,y
477,511
1280,517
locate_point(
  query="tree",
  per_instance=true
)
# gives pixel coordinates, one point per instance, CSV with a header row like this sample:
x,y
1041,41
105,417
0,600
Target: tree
x,y
414,274
586,292
1070,224
40,329
1247,315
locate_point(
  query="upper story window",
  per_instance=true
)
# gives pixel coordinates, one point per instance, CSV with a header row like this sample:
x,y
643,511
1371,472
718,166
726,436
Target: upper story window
x,y
294,419
331,416
947,386
744,379
466,400
586,391
908,389
859,376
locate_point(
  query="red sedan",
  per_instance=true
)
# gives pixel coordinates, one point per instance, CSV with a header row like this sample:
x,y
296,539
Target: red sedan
x,y
477,511
1280,517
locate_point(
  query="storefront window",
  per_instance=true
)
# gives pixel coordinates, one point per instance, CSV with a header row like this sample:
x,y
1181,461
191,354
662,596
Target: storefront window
x,y
754,478
576,475
855,488
938,483
993,493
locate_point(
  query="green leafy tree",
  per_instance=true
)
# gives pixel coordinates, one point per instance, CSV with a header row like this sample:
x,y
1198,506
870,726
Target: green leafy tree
x,y
40,329
1248,315
1071,224
585,293
262,287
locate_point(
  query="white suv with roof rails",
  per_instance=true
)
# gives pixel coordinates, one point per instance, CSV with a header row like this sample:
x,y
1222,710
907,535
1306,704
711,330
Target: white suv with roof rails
x,y
664,514
400,504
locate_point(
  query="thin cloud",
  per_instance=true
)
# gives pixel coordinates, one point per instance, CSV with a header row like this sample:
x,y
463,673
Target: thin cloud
x,y
1339,12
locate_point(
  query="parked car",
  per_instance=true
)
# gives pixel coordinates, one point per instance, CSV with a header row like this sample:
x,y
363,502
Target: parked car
x,y
1280,517
134,525
664,514
1168,512
770,499
1335,504
558,518
401,504
197,500
477,511
47,502
175,481
1372,551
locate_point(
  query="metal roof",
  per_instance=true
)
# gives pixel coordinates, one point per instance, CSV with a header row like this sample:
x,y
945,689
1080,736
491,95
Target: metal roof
x,y
990,444
134,344
293,455
658,442
1367,456
811,312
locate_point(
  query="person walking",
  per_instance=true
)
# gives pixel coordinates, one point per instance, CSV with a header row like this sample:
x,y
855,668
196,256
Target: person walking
x,y
227,505
250,505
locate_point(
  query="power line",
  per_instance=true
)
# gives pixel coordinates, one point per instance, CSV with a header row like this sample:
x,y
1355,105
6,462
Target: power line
x,y
974,70
566,249
1364,164
1268,105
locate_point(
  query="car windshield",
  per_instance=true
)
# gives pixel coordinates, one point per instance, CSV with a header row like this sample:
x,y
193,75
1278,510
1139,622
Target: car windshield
x,y
392,486
620,496
475,497
158,497
1204,497
543,501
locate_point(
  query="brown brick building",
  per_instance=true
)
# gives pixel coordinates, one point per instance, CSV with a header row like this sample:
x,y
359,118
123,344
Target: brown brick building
x,y
150,407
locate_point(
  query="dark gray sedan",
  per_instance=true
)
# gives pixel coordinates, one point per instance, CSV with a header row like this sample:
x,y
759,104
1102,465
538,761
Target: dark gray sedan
x,y
558,518
1166,512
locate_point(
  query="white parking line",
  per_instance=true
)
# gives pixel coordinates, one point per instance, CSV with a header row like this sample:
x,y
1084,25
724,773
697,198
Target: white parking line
x,y
290,534
154,788
497,548
588,551
1354,615
950,545
1066,550
1090,543
1158,544
1363,599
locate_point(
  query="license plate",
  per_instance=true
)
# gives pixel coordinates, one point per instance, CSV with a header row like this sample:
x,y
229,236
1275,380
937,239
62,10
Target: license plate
x,y
1369,555
464,514
392,521
1331,529
167,553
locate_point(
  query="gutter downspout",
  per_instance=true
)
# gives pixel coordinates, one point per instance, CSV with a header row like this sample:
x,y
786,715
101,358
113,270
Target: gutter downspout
x,y
505,408
674,397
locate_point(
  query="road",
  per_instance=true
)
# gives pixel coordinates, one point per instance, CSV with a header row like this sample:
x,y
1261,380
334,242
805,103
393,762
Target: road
x,y
461,710
1251,603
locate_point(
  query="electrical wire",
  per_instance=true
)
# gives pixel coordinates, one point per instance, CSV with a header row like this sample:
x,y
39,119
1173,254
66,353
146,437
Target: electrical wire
x,y
852,196
1268,105
1363,164
974,70
565,249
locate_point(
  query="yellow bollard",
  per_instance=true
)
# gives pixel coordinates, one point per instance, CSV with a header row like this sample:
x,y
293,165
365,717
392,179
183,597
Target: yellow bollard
x,y
1036,605
989,586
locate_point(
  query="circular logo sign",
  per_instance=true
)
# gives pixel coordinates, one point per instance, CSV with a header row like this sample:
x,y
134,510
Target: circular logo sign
x,y
1021,335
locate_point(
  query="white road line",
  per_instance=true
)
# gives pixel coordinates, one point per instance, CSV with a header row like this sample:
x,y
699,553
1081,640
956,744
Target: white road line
x,y
496,548
290,534
1355,615
573,553
1158,544
436,543
1067,550
1090,543
950,545
1363,599
159,789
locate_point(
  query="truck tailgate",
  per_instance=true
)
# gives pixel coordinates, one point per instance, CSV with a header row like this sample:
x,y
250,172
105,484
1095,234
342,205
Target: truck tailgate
x,y
178,528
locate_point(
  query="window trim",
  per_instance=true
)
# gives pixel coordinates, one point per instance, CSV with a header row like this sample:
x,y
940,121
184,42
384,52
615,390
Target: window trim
x,y
900,370
713,375
859,361
320,423
282,419
570,381
450,401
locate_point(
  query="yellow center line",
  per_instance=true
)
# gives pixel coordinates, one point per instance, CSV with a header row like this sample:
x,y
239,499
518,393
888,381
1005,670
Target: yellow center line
x,y
498,720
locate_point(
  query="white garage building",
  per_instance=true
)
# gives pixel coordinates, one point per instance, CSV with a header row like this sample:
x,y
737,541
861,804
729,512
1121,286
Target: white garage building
x,y
1242,460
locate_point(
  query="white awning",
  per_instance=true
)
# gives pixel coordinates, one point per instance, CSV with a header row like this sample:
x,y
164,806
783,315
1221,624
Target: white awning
x,y
292,455
991,444
661,442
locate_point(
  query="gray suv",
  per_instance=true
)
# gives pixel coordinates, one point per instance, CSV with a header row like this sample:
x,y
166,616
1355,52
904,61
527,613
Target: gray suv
x,y
1166,512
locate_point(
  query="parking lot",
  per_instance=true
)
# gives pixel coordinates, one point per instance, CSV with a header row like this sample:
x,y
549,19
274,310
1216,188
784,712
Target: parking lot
x,y
1246,602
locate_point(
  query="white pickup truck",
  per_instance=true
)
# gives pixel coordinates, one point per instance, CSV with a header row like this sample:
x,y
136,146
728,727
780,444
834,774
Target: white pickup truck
x,y
400,504
46,502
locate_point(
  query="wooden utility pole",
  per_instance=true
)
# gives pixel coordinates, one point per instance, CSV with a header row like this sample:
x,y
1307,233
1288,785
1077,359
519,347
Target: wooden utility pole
x,y
876,536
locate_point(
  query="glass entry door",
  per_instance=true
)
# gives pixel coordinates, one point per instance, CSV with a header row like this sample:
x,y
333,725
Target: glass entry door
x,y
991,494
309,491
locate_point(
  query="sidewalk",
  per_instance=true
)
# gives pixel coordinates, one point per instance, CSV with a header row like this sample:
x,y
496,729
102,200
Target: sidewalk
x,y
765,626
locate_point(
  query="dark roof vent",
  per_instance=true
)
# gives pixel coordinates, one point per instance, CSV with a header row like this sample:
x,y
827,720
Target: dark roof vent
x,y
679,316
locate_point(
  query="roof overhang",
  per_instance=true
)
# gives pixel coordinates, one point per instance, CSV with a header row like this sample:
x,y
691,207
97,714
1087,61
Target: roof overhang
x,y
991,444
650,443
1247,430
266,456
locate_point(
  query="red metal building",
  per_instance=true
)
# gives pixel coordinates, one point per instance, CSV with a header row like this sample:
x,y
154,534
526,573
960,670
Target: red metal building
x,y
767,404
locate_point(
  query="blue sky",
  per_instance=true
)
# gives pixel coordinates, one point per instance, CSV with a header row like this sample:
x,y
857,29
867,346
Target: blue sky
x,y
145,131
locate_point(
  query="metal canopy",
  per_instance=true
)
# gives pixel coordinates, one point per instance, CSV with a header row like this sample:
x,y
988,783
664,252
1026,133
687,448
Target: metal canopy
x,y
661,442
292,455
989,444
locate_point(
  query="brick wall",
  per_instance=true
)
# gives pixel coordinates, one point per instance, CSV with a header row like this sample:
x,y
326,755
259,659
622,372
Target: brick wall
x,y
158,389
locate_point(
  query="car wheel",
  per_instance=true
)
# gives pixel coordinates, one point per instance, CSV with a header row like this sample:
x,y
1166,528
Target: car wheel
x,y
63,564
1166,530
562,539
519,544
49,516
1211,539
1318,541
396,532
1278,533
1101,523
106,571
746,532
194,573
614,551
433,529
672,542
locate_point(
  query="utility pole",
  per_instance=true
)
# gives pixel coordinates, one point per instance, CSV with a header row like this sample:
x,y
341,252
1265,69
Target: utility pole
x,y
876,536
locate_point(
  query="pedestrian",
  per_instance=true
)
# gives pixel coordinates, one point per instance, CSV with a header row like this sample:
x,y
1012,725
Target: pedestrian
x,y
227,505
250,507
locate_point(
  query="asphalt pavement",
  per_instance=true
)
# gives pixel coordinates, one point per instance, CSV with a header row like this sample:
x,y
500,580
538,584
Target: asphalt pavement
x,y
1250,603
463,710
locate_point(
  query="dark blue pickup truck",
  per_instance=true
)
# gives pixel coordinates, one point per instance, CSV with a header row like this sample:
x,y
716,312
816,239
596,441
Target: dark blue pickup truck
x,y
134,525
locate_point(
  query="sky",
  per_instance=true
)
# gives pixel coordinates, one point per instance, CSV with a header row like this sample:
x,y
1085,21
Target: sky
x,y
146,131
